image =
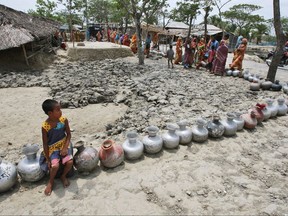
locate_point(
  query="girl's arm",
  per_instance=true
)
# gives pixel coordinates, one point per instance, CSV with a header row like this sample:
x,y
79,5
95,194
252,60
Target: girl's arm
x,y
64,150
68,134
45,146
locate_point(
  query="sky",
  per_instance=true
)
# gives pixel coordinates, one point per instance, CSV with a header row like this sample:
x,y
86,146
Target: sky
x,y
266,11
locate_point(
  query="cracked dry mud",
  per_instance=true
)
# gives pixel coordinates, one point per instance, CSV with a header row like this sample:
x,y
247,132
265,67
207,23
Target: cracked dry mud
x,y
245,174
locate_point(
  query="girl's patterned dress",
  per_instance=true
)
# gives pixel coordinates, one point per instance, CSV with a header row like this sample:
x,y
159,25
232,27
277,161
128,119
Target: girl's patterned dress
x,y
56,141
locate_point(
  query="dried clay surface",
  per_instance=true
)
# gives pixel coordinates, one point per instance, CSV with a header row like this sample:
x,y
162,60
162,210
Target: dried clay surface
x,y
245,174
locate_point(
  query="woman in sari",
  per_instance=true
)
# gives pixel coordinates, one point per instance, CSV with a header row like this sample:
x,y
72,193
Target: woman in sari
x,y
126,40
155,40
133,44
220,59
201,53
112,36
239,55
98,36
188,53
178,57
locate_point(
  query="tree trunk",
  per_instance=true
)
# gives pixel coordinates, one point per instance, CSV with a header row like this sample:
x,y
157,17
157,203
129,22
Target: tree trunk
x,y
207,9
280,42
70,22
221,25
126,23
139,39
190,23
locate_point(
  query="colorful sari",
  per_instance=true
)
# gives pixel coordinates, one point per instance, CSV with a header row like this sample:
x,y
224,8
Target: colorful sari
x,y
201,53
98,36
155,40
178,57
126,40
220,59
188,58
133,44
112,37
239,55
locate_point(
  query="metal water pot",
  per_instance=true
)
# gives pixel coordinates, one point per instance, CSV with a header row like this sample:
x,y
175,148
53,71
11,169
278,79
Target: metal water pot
x,y
8,175
29,168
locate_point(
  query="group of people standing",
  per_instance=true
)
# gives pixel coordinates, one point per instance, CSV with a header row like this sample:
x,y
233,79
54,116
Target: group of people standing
x,y
212,55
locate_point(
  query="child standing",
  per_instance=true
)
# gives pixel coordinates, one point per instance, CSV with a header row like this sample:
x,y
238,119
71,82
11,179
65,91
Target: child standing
x,y
56,138
170,56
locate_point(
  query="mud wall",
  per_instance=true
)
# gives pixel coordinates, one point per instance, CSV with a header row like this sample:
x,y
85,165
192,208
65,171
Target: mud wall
x,y
98,54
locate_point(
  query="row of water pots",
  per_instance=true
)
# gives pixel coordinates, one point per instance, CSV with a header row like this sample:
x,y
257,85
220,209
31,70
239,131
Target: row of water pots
x,y
85,160
258,83
111,155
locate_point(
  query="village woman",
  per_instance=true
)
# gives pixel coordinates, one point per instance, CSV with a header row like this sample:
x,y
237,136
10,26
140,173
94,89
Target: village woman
x,y
133,44
220,59
126,40
99,36
112,36
155,40
201,52
188,58
178,57
239,55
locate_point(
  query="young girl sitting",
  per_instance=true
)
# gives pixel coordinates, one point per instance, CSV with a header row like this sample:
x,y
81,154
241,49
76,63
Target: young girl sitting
x,y
56,137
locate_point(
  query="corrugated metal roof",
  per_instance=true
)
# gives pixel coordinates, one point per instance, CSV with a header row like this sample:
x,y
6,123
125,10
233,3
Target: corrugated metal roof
x,y
176,25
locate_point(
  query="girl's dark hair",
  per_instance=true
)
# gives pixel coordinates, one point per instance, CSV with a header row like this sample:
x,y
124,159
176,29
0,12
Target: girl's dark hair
x,y
48,105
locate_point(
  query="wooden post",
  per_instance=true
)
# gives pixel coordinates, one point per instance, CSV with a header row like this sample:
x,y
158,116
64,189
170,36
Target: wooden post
x,y
25,55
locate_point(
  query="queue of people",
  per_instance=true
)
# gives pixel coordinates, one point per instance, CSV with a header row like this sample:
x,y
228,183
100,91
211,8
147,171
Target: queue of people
x,y
212,56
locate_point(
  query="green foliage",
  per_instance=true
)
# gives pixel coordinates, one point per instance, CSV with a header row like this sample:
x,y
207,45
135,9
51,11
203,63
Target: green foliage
x,y
152,9
100,10
241,16
215,20
73,5
284,22
44,8
185,11
118,11
48,9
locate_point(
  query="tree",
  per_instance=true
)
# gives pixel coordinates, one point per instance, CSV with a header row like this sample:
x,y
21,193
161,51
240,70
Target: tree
x,y
137,8
152,10
185,11
72,6
207,4
100,10
118,12
280,36
260,30
44,8
165,15
241,15
219,6
284,22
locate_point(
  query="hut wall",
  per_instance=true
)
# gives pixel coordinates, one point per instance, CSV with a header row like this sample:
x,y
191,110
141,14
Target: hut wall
x,y
12,59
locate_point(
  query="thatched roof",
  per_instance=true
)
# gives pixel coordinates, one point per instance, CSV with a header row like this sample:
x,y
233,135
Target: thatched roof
x,y
151,28
17,28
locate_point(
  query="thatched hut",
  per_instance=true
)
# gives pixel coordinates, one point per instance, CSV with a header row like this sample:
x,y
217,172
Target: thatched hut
x,y
21,31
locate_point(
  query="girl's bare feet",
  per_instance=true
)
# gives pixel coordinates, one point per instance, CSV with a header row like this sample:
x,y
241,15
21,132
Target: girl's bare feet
x,y
65,181
48,188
